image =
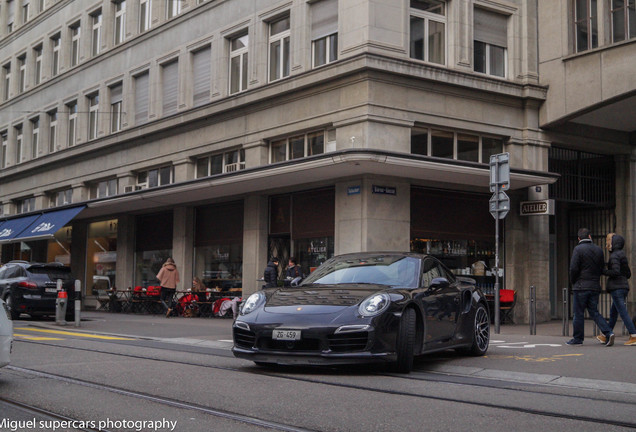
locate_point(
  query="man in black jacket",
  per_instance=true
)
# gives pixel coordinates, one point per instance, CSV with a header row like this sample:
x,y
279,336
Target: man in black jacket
x,y
271,273
586,268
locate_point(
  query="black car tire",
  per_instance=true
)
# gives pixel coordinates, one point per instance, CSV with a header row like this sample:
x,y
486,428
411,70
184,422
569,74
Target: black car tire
x,y
405,344
481,333
15,315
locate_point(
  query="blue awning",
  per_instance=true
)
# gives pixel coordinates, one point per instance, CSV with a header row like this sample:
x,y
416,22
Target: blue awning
x,y
11,228
36,227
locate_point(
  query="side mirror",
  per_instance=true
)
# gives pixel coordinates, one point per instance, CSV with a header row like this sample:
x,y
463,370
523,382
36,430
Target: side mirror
x,y
439,283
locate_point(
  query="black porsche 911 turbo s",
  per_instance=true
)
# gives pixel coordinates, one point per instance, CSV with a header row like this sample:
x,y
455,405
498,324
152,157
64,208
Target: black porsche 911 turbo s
x,y
364,307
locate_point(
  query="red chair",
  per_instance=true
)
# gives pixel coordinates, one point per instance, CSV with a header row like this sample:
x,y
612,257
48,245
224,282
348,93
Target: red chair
x,y
507,301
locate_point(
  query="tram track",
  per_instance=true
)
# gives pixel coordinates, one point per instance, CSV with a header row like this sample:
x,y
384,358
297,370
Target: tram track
x,y
52,416
437,378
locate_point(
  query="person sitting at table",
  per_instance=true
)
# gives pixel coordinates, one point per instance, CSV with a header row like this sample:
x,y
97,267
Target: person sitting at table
x,y
199,290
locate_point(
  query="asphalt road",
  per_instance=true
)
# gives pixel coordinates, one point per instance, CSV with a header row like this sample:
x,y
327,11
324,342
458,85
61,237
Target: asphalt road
x,y
146,373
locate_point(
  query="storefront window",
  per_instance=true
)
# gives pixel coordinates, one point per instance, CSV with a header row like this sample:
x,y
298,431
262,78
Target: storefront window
x,y
302,225
312,252
218,246
101,255
153,247
59,248
220,266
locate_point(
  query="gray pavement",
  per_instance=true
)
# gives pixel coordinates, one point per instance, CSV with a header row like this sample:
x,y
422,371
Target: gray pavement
x,y
514,354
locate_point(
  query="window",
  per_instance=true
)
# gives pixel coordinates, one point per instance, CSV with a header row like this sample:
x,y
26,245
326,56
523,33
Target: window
x,y
201,67
238,63
96,36
173,8
6,72
25,11
10,7
4,138
298,146
170,85
61,198
623,20
52,130
428,31
37,52
120,21
491,33
279,64
154,177
585,25
141,98
41,5
453,145
115,107
324,32
75,43
72,122
221,163
19,142
25,205
145,15
93,112
55,63
105,188
35,137
22,79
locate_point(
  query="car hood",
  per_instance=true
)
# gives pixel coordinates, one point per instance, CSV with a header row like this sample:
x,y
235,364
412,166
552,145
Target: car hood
x,y
320,298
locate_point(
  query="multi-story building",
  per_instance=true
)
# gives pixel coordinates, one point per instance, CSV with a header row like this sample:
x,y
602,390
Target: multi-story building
x,y
223,132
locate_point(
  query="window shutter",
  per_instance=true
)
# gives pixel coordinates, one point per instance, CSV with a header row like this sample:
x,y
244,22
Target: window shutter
x,y
141,98
170,81
491,27
324,18
201,65
115,94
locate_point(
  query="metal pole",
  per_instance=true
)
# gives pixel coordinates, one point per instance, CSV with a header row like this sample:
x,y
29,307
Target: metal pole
x,y
533,310
566,314
497,273
78,302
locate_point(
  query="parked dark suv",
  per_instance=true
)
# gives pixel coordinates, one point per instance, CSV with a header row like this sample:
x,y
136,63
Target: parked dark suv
x,y
31,288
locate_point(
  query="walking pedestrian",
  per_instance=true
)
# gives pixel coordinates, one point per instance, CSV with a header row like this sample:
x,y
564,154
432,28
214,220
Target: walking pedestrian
x,y
168,279
618,273
586,268
271,273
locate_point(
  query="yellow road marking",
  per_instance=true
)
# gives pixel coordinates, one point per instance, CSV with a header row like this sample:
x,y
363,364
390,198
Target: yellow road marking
x,y
68,333
530,358
36,338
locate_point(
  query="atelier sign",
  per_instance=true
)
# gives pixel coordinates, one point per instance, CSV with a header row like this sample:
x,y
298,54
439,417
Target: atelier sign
x,y
534,208
384,190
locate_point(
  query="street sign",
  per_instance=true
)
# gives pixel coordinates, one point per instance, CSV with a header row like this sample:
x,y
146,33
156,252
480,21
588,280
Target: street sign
x,y
499,172
499,205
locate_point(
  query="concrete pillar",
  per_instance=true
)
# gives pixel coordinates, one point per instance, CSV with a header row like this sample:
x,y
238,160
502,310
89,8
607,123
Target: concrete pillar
x,y
125,273
368,221
255,229
183,244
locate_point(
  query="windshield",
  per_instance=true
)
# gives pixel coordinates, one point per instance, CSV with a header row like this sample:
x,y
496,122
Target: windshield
x,y
390,270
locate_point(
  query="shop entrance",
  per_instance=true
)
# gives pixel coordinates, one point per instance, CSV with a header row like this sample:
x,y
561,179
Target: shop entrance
x,y
585,196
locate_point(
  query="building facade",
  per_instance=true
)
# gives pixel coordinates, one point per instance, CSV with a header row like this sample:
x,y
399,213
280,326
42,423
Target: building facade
x,y
223,132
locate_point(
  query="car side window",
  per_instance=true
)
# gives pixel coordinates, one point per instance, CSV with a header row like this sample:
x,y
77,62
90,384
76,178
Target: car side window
x,y
11,272
447,274
430,271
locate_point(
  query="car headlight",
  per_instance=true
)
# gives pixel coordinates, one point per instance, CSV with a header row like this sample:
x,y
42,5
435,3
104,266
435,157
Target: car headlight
x,y
252,302
374,305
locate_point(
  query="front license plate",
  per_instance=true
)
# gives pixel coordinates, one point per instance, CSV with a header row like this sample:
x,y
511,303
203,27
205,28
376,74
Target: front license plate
x,y
50,290
286,335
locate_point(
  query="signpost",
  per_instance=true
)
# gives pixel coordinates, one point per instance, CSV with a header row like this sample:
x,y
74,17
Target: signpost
x,y
499,208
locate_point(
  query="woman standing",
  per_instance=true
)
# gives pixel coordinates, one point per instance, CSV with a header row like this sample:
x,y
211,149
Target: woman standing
x,y
168,279
618,272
